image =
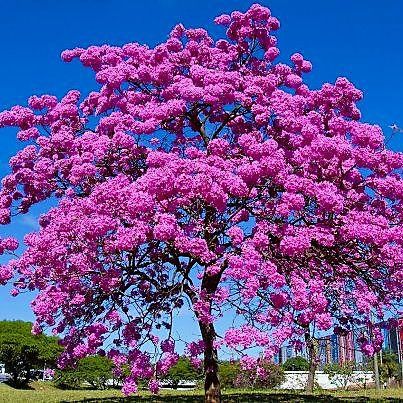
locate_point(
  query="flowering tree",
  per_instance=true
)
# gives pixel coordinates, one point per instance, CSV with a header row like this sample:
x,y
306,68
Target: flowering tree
x,y
203,175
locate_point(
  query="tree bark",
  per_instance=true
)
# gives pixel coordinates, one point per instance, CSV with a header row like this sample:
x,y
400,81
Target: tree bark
x,y
14,376
212,388
312,355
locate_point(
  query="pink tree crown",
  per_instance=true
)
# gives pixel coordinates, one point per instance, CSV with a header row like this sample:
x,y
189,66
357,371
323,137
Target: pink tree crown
x,y
202,173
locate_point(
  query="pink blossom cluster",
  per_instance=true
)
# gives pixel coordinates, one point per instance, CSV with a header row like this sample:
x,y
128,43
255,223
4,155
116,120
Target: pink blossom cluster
x,y
202,173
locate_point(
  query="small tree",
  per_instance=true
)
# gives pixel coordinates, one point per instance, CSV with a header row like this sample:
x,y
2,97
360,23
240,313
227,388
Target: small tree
x,y
296,364
68,378
340,374
228,371
390,368
94,370
21,351
183,370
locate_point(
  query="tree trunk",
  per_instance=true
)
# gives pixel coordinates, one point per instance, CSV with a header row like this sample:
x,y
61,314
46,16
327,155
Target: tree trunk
x,y
312,355
15,376
212,389
27,374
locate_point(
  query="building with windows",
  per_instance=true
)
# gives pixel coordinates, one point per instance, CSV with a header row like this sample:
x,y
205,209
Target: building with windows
x,y
345,348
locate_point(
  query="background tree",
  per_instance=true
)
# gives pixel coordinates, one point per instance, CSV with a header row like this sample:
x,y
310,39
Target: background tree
x,y
68,378
390,367
203,174
296,364
21,351
340,374
93,370
183,370
228,371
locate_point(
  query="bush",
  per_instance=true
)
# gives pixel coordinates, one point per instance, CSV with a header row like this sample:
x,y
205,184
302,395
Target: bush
x,y
67,378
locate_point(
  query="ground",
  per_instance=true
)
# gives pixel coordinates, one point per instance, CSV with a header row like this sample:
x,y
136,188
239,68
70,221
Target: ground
x,y
45,392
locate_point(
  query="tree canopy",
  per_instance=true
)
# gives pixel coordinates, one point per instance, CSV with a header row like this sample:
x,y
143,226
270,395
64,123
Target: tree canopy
x,y
21,351
183,370
390,368
94,370
203,174
296,364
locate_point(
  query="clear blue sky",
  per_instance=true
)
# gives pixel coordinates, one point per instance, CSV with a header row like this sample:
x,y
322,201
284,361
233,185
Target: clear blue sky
x,y
360,39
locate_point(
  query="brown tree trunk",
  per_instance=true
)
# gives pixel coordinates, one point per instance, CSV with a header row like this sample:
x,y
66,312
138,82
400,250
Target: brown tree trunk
x,y
212,389
312,356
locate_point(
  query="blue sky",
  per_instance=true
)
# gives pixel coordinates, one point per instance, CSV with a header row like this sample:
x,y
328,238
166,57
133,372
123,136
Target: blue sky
x,y
360,39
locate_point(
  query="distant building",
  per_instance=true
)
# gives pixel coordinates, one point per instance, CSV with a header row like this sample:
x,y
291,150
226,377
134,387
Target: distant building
x,y
393,339
287,352
345,348
334,340
325,351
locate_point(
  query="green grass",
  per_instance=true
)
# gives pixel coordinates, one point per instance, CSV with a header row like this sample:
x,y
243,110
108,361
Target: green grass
x,y
44,392
47,393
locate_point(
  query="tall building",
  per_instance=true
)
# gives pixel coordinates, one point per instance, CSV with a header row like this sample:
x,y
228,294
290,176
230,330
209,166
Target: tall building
x,y
287,352
325,351
345,348
334,340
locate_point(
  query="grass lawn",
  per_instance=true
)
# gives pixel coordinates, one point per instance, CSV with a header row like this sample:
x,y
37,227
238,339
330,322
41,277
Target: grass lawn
x,y
45,392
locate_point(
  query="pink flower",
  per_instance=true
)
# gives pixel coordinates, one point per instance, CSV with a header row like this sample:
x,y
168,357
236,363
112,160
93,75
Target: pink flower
x,y
10,244
236,235
129,387
154,386
223,19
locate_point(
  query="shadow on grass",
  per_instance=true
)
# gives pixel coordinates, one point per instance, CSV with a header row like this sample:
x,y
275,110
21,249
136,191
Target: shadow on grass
x,y
19,386
243,398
